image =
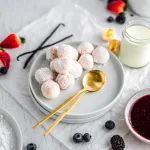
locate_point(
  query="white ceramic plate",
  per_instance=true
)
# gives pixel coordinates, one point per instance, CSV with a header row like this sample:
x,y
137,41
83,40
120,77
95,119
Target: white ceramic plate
x,y
16,136
132,100
66,120
92,103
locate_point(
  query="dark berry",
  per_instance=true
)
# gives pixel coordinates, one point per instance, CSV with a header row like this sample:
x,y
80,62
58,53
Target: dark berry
x,y
110,1
120,19
78,137
31,146
87,137
126,1
110,19
3,70
109,125
117,142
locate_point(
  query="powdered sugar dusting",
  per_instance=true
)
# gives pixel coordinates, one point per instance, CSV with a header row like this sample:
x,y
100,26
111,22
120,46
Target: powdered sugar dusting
x,y
6,135
86,61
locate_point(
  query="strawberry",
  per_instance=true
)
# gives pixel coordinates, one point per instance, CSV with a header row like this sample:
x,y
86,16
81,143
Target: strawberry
x,y
12,41
4,59
116,6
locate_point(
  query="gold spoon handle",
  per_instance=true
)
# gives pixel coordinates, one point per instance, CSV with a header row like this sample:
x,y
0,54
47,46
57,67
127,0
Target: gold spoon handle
x,y
64,113
58,108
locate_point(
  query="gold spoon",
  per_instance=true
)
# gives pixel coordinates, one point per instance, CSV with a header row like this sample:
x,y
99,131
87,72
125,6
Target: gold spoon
x,y
92,82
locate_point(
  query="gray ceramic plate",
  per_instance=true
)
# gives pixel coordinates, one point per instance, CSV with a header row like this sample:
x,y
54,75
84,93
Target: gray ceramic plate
x,y
92,103
16,141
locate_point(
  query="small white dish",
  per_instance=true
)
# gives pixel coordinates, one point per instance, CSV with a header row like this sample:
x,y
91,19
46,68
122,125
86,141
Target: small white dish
x,y
16,136
144,6
132,100
92,103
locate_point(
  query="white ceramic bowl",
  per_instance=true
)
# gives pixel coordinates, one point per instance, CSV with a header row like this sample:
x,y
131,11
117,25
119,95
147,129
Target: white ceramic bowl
x,y
133,99
140,7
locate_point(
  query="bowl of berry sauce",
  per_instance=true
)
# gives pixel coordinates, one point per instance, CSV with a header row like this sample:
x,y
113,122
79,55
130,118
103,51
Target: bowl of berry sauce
x,y
137,115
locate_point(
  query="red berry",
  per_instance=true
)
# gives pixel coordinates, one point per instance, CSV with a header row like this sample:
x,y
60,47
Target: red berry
x,y
12,41
5,59
116,6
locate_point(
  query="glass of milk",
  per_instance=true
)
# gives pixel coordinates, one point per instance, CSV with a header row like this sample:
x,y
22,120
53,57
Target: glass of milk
x,y
135,45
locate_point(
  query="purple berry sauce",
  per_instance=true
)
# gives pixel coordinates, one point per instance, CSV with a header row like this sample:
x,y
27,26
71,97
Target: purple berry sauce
x,y
140,116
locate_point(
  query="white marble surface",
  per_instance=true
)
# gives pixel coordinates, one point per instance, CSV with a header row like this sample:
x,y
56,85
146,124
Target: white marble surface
x,y
14,16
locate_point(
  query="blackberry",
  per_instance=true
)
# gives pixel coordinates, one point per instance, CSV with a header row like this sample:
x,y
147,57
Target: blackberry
x,y
110,19
120,19
117,142
109,125
87,137
78,137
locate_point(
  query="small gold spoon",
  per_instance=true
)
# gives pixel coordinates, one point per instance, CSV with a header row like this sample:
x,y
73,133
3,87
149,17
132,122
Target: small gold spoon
x,y
92,82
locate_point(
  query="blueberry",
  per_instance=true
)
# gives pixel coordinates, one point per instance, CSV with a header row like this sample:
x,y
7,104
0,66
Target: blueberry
x,y
120,19
109,125
78,137
31,146
110,19
87,137
3,70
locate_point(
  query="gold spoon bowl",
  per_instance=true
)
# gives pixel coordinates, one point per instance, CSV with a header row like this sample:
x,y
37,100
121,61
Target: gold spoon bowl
x,y
93,80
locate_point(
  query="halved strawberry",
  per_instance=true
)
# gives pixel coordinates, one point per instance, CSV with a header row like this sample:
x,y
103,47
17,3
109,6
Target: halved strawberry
x,y
12,41
5,59
116,6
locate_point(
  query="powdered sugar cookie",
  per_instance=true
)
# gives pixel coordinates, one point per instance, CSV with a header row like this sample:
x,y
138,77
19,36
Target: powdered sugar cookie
x,y
52,64
51,53
50,89
100,55
62,65
67,51
65,80
76,70
85,48
43,74
86,61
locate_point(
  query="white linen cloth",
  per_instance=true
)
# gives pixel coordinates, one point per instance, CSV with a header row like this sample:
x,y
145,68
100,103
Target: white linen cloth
x,y
86,27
